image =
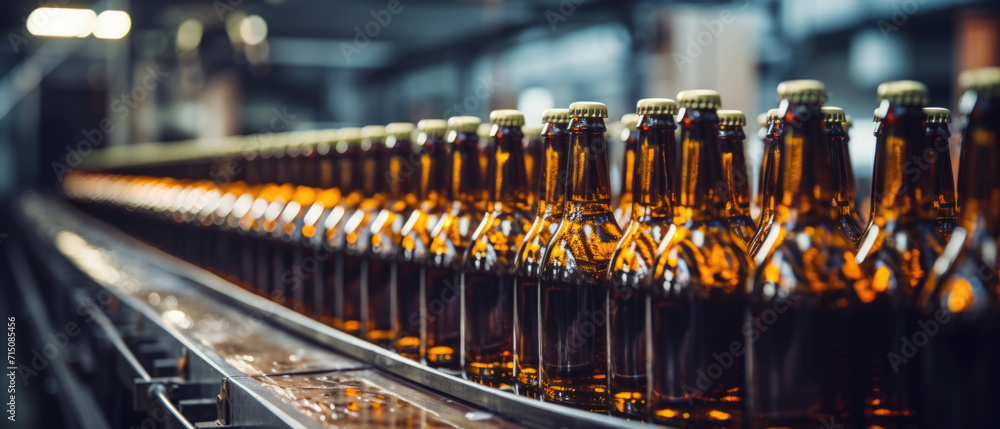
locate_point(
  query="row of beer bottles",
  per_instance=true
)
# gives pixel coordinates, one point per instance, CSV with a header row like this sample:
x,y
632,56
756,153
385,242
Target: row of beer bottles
x,y
655,322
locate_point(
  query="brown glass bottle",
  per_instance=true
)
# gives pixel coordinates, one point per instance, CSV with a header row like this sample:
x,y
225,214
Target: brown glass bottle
x,y
632,262
960,304
483,132
382,237
937,135
449,238
487,270
318,173
534,151
898,249
629,136
352,177
574,296
844,197
434,179
354,277
767,176
551,202
696,293
737,180
802,288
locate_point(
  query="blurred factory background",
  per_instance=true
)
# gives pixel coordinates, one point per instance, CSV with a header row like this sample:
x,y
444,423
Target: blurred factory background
x,y
177,70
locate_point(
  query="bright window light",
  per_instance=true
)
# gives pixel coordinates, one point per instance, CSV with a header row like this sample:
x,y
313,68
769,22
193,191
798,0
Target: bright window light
x,y
253,29
112,24
61,22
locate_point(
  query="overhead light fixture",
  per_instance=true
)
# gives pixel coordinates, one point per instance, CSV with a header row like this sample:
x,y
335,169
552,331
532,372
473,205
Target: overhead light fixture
x,y
112,24
61,22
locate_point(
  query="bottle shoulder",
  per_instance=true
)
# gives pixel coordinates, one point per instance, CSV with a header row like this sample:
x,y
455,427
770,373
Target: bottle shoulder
x,y
581,249
495,243
702,256
532,248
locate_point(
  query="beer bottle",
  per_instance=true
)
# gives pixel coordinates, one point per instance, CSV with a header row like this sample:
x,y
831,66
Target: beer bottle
x,y
845,195
898,249
960,319
289,276
487,273
483,132
696,294
736,183
354,276
574,297
551,199
768,175
434,177
629,135
534,151
805,275
938,134
449,238
632,261
352,177
383,237
318,173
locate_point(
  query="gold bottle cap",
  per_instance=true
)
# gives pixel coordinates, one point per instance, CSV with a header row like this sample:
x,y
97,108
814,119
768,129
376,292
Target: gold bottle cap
x,y
802,91
656,106
699,99
400,129
732,118
833,115
484,131
507,118
555,116
848,122
985,81
351,135
532,131
773,116
588,109
433,127
875,117
937,115
904,92
630,121
373,132
463,124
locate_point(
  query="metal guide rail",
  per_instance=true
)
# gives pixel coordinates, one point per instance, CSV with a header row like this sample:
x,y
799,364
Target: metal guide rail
x,y
268,364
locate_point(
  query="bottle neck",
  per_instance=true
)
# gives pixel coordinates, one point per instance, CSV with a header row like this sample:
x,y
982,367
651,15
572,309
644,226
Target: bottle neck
x,y
734,167
655,159
840,152
508,180
904,186
434,177
467,188
979,173
375,160
700,188
552,192
937,136
804,185
629,164
351,172
589,183
401,178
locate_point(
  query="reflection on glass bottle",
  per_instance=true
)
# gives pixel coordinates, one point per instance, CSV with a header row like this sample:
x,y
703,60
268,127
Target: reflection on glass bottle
x,y
551,202
632,262
960,319
696,295
802,288
449,238
628,135
487,271
431,191
574,295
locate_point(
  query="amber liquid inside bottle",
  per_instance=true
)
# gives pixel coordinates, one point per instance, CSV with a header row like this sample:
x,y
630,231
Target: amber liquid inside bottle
x,y
574,295
632,265
442,274
623,208
433,185
737,182
696,297
959,359
551,202
801,290
899,249
353,176
534,154
488,288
